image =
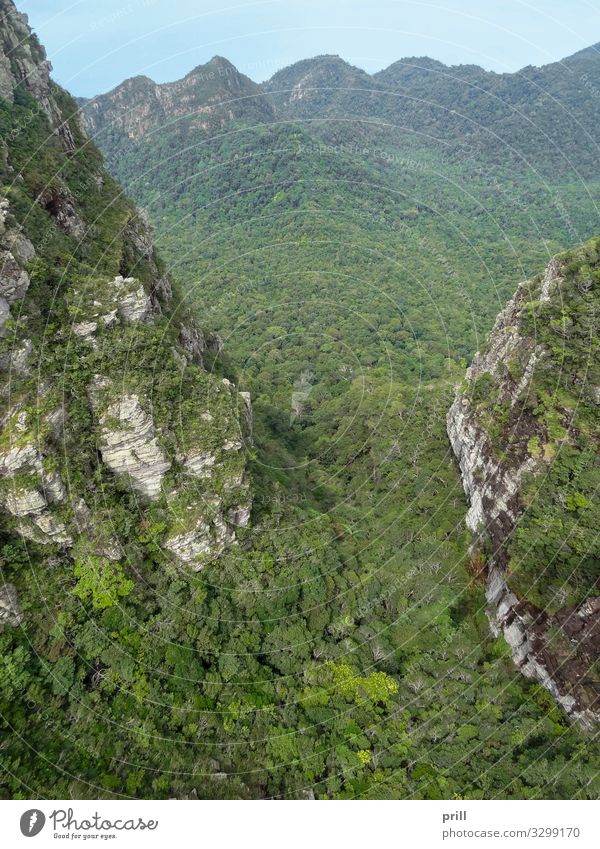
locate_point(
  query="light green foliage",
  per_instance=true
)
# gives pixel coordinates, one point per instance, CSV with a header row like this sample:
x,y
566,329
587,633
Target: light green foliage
x,y
100,581
342,645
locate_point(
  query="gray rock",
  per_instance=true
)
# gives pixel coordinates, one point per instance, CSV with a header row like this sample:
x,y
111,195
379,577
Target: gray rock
x,y
492,488
10,612
247,417
131,448
14,281
133,302
85,329
200,465
190,546
4,314
20,246
24,502
60,203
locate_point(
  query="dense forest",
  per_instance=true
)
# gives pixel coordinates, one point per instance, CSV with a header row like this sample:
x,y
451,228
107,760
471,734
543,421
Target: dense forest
x,y
344,272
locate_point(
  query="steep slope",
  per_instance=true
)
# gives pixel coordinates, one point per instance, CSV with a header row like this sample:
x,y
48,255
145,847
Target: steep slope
x,y
98,353
534,120
526,432
340,649
210,97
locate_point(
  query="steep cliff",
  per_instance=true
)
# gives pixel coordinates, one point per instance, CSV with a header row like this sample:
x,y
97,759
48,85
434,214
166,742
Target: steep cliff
x,y
525,429
106,406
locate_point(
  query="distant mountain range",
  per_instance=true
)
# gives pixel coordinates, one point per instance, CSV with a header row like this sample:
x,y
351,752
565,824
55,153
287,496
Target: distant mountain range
x,y
543,118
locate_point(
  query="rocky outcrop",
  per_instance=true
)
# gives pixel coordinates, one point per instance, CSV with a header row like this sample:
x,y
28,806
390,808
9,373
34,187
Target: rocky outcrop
x,y
23,62
15,251
28,492
210,534
209,97
101,364
491,486
10,612
133,303
247,417
492,473
61,204
14,280
129,445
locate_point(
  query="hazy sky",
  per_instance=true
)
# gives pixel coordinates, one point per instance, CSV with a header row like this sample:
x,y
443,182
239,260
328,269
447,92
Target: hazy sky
x,y
95,44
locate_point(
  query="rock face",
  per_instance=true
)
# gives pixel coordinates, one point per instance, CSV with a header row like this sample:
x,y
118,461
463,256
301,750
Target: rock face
x,y
28,492
493,468
103,392
129,446
15,251
133,303
10,612
23,62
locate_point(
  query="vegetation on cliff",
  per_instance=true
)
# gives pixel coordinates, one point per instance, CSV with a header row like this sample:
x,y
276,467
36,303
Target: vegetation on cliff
x,y
341,648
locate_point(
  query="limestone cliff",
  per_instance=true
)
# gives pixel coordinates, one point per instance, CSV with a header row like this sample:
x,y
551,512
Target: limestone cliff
x,y
115,442
525,431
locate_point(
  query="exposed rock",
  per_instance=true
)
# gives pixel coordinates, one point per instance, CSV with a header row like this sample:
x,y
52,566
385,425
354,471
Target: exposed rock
x,y
32,503
15,251
240,517
20,246
23,63
4,207
141,234
130,447
24,502
133,302
161,294
200,465
10,612
110,318
4,314
193,343
85,329
493,487
18,359
194,546
214,343
19,458
59,202
247,417
208,97
550,280
14,280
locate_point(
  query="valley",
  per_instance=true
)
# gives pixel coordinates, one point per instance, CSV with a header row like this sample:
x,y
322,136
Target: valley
x,y
295,607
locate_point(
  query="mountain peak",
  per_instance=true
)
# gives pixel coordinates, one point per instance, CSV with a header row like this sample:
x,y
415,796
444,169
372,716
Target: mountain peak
x,y
206,98
218,65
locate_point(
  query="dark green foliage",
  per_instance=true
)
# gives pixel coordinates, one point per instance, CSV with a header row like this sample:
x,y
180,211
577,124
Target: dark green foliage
x,y
343,646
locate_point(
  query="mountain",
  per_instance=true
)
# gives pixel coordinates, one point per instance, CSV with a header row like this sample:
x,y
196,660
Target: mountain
x,y
204,597
313,87
526,432
208,98
538,119
87,313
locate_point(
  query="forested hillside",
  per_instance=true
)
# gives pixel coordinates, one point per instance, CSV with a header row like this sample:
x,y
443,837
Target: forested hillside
x,y
333,643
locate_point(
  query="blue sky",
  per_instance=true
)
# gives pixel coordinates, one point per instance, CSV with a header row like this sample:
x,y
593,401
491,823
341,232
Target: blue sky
x,y
95,44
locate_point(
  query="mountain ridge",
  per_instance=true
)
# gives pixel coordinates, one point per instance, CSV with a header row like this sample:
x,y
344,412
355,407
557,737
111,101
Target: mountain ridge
x,y
419,100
